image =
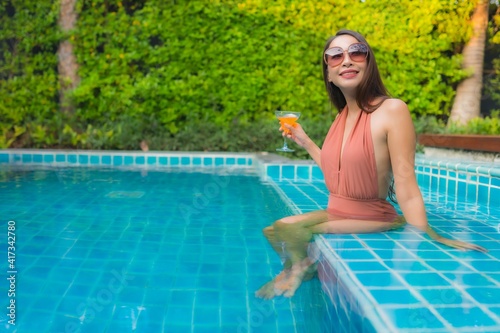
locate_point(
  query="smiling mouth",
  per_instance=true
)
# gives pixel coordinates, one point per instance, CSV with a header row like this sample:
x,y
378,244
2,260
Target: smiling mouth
x,y
349,73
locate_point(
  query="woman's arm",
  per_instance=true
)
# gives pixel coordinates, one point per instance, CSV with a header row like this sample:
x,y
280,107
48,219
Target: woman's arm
x,y
401,141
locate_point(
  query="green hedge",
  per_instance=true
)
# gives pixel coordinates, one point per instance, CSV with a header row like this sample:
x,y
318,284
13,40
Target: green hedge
x,y
204,75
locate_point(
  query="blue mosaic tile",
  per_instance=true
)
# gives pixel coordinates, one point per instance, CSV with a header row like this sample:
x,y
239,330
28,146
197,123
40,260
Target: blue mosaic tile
x,y
26,158
185,160
4,158
444,296
414,317
288,171
461,188
208,161
442,184
219,161
174,161
71,158
303,172
151,160
94,160
317,173
379,279
117,160
485,265
37,158
196,161
106,159
465,316
128,160
495,181
241,161
448,265
366,266
83,159
273,171
485,295
452,187
140,160
405,265
48,158
469,279
434,184
394,296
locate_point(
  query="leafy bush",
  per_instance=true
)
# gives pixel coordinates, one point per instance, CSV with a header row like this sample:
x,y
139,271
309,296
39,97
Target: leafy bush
x,y
487,126
206,75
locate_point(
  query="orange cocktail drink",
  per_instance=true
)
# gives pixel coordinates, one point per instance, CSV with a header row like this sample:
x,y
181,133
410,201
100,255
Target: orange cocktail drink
x,y
290,118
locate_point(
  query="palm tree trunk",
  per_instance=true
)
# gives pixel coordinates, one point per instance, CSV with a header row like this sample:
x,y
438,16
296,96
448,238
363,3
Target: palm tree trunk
x,y
467,103
67,65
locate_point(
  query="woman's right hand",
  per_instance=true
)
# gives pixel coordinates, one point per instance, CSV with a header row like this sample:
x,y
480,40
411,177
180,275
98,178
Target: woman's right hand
x,y
297,134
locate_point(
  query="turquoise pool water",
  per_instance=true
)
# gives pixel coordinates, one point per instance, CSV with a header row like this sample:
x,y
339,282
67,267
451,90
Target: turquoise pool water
x,y
399,281
106,250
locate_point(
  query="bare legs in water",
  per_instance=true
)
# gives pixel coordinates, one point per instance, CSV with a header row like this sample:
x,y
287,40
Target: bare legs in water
x,y
290,238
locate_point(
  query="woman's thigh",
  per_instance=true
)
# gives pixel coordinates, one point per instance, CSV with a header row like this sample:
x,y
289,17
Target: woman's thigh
x,y
351,226
306,220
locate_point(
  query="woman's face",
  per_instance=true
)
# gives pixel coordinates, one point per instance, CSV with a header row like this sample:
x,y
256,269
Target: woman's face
x,y
348,73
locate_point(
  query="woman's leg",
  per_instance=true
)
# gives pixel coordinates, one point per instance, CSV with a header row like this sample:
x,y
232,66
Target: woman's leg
x,y
296,232
280,246
286,227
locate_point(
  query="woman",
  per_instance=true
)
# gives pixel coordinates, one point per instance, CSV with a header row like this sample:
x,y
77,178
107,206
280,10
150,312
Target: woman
x,y
370,144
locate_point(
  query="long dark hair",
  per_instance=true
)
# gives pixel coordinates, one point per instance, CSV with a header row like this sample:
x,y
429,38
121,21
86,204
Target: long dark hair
x,y
371,86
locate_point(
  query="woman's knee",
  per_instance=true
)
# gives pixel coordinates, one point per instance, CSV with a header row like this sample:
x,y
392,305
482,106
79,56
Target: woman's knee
x,y
278,224
268,231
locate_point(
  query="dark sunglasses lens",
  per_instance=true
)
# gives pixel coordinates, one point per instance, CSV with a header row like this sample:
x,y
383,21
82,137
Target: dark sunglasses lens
x,y
358,52
334,56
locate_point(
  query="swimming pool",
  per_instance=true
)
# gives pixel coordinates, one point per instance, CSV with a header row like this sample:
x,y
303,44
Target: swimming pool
x,y
397,281
136,250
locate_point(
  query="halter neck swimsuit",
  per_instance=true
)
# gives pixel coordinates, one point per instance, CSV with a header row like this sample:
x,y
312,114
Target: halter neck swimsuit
x,y
352,178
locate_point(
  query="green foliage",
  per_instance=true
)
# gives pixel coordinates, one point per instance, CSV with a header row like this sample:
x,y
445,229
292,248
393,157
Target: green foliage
x,y
28,65
207,75
487,126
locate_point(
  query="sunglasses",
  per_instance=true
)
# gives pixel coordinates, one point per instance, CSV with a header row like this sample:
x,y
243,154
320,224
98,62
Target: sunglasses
x,y
334,56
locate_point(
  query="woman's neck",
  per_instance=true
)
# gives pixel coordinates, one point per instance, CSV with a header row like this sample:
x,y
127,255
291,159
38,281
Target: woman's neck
x,y
352,106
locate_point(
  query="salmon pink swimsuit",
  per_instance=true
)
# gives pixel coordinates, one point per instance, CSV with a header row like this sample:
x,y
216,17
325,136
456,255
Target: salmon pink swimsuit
x,y
352,179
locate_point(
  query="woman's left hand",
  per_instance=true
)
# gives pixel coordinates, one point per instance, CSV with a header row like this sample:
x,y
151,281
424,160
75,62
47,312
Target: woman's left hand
x,y
454,243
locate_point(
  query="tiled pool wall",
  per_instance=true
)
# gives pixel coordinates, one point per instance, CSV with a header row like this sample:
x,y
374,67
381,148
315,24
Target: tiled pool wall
x,y
473,181
476,183
123,158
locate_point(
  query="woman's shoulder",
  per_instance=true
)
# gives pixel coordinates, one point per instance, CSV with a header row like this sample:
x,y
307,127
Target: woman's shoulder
x,y
392,112
393,107
393,104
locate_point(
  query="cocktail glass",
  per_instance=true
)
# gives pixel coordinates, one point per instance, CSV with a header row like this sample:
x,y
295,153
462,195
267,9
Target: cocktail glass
x,y
286,117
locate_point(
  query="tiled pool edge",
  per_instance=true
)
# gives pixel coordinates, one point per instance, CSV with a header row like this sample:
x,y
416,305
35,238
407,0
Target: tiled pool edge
x,y
90,158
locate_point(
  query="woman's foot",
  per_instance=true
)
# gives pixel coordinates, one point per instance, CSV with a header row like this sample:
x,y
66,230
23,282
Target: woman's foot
x,y
273,288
